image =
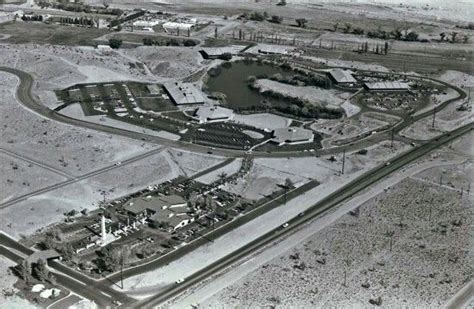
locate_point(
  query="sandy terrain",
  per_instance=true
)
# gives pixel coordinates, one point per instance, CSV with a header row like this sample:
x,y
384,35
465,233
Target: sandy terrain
x,y
20,177
336,130
228,170
69,149
446,120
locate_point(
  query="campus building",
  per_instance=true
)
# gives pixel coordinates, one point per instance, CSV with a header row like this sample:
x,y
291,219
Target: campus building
x,y
292,136
216,52
342,77
206,114
184,93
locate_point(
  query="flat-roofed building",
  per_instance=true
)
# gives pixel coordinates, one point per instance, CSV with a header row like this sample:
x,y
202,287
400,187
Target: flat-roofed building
x,y
205,114
174,217
342,77
292,135
216,52
174,27
387,86
184,93
145,206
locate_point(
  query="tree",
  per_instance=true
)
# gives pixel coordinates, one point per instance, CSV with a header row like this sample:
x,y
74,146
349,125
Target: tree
x,y
281,3
301,22
397,34
276,19
347,28
454,34
41,271
115,43
442,36
288,183
465,39
335,26
24,270
189,43
411,36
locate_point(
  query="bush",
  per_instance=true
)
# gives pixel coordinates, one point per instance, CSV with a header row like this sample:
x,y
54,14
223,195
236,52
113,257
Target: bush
x,y
190,43
115,43
225,56
257,16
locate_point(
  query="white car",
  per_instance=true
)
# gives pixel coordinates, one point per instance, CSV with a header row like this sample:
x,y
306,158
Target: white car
x,y
179,281
285,225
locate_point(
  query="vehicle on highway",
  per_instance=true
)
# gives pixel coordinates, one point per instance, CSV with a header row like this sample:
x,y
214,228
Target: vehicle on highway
x,y
118,163
301,214
285,225
179,281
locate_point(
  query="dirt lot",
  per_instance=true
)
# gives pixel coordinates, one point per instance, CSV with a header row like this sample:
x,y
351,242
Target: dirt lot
x,y
40,33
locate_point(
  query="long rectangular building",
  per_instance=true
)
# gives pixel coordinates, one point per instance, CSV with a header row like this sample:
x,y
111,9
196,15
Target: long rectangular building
x,y
387,86
184,93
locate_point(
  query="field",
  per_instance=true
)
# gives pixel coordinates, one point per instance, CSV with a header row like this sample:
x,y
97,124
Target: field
x,y
40,33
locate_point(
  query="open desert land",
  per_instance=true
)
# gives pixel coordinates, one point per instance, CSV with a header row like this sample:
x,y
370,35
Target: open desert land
x,y
378,248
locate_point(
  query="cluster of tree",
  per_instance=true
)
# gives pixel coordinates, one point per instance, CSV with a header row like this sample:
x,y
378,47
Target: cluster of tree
x,y
469,26
257,16
454,37
305,79
78,7
53,240
38,270
132,16
32,18
396,34
115,43
110,259
348,28
149,41
281,3
77,21
276,19
301,108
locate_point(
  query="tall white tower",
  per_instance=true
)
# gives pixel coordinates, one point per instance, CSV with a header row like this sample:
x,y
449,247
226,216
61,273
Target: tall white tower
x,y
103,232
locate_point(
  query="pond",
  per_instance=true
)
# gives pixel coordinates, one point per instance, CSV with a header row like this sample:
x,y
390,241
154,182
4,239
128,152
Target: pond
x,y
232,81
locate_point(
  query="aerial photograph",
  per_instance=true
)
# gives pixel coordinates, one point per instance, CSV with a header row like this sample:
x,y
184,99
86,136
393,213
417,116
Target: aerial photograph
x,y
236,154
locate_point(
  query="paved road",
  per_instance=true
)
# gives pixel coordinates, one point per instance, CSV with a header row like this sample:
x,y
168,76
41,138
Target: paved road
x,y
37,163
80,178
330,201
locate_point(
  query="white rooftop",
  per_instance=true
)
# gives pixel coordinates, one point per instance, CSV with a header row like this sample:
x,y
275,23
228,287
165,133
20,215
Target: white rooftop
x,y
213,113
342,76
184,93
387,86
292,135
174,25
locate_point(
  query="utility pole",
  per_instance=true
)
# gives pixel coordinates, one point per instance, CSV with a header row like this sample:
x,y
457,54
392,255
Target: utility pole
x,y
343,160
434,118
391,142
